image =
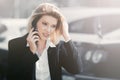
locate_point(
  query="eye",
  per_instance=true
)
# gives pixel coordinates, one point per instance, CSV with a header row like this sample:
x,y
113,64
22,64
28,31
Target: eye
x,y
44,23
53,26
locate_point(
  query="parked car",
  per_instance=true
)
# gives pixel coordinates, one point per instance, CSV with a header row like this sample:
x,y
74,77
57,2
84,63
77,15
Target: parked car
x,y
96,34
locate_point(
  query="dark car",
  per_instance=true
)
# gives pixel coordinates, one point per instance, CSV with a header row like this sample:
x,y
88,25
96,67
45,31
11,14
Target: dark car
x,y
97,38
3,54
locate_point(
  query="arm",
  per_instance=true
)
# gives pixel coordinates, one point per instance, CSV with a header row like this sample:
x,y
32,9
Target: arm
x,y
14,66
69,57
20,60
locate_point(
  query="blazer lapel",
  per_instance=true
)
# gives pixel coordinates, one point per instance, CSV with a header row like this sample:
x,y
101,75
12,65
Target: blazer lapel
x,y
52,59
52,51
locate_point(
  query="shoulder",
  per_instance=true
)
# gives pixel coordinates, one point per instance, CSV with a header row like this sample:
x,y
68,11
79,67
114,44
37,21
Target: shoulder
x,y
63,43
14,40
13,43
60,44
17,41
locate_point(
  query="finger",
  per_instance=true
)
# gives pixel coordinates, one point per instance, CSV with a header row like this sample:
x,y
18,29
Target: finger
x,y
29,35
32,33
36,40
35,37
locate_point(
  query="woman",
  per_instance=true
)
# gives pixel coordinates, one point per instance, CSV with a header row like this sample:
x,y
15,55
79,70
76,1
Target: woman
x,y
39,55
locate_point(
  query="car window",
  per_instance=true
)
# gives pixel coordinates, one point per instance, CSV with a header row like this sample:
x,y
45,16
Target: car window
x,y
110,23
93,25
83,26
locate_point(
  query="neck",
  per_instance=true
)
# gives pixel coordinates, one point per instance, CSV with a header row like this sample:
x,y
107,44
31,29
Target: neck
x,y
41,44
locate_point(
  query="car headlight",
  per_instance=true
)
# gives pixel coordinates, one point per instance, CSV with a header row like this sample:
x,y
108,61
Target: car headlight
x,y
98,56
95,56
88,55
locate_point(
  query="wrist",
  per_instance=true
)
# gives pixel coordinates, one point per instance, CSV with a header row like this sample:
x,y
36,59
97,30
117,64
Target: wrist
x,y
67,38
33,51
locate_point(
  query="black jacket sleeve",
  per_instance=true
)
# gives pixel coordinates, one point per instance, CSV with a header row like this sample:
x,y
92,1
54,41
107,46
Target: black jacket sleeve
x,y
14,63
20,60
69,57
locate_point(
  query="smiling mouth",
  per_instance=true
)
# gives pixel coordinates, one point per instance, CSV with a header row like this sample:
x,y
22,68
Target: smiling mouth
x,y
46,35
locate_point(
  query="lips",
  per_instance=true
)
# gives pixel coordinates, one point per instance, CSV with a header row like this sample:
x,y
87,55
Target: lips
x,y
46,35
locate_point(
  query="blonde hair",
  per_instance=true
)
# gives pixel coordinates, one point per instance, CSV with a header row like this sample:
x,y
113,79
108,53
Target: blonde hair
x,y
52,10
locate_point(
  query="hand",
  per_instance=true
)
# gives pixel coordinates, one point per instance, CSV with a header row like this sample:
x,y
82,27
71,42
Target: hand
x,y
65,32
32,38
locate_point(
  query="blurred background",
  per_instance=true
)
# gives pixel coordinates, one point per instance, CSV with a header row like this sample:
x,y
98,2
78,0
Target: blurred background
x,y
22,9
94,27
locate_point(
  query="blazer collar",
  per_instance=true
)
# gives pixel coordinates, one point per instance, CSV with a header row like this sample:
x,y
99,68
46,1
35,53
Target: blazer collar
x,y
23,40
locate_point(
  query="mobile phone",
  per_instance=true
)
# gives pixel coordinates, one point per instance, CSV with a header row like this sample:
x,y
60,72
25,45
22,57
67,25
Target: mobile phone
x,y
34,22
34,26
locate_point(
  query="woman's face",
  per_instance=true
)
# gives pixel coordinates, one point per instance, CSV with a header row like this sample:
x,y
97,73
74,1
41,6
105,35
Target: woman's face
x,y
46,26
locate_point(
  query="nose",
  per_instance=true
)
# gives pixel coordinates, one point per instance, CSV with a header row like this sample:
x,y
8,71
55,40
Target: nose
x,y
48,29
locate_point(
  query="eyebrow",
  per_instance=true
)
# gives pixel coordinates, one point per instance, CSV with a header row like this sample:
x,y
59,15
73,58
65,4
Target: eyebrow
x,y
48,22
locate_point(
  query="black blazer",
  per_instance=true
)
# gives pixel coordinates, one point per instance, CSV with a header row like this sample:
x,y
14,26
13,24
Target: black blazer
x,y
21,61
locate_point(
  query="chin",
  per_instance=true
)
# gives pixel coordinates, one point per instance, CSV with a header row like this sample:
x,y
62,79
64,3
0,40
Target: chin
x,y
45,38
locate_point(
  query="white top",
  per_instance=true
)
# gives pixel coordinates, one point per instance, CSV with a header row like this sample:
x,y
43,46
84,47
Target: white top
x,y
42,66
